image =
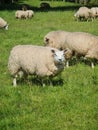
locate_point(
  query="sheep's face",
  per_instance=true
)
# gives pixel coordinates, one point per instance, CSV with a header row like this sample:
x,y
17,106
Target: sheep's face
x,y
58,56
75,15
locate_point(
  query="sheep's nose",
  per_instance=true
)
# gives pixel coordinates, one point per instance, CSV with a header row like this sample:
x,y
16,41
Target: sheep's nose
x,y
60,60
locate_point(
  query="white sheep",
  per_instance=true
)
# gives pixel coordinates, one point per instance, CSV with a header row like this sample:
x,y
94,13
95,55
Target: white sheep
x,y
94,11
57,39
3,24
75,43
19,14
84,13
83,44
30,13
35,60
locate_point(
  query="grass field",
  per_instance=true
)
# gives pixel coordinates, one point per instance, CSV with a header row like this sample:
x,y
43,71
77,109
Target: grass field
x,y
72,105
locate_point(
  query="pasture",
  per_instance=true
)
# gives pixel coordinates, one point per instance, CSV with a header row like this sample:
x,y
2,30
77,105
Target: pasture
x,y
72,103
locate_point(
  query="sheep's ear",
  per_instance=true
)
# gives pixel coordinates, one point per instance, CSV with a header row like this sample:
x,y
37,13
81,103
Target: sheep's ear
x,y
65,51
47,40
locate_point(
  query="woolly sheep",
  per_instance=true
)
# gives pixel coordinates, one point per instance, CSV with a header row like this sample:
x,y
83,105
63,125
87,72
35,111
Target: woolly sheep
x,y
75,43
30,13
3,24
97,11
35,60
21,14
84,13
57,39
83,44
94,11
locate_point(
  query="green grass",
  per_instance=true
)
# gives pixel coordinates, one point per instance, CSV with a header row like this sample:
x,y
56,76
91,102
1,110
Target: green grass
x,y
72,105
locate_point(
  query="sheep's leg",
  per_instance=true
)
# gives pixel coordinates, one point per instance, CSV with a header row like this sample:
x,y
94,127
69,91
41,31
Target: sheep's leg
x,y
92,65
42,82
67,64
15,81
50,81
92,19
91,59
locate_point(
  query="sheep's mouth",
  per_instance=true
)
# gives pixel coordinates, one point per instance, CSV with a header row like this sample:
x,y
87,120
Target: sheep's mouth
x,y
60,63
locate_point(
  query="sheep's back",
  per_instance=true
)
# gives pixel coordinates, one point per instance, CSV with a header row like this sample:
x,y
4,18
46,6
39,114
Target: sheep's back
x,y
30,52
84,12
2,22
21,14
32,59
81,42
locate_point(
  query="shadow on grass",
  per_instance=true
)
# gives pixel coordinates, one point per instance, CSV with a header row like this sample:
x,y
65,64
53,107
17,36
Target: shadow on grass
x,y
16,6
81,60
20,3
54,82
35,81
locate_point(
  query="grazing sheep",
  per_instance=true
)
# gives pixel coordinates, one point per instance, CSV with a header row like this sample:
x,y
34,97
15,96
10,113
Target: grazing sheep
x,y
30,13
76,44
83,44
3,24
20,14
94,12
35,60
84,13
57,39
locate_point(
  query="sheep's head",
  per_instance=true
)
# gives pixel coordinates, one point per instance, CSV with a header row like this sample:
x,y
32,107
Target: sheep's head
x,y
51,42
59,57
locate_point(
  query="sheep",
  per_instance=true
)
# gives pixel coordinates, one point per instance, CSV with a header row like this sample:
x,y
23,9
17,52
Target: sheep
x,y
3,24
94,11
83,44
35,60
30,13
56,39
84,13
19,14
24,14
75,43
